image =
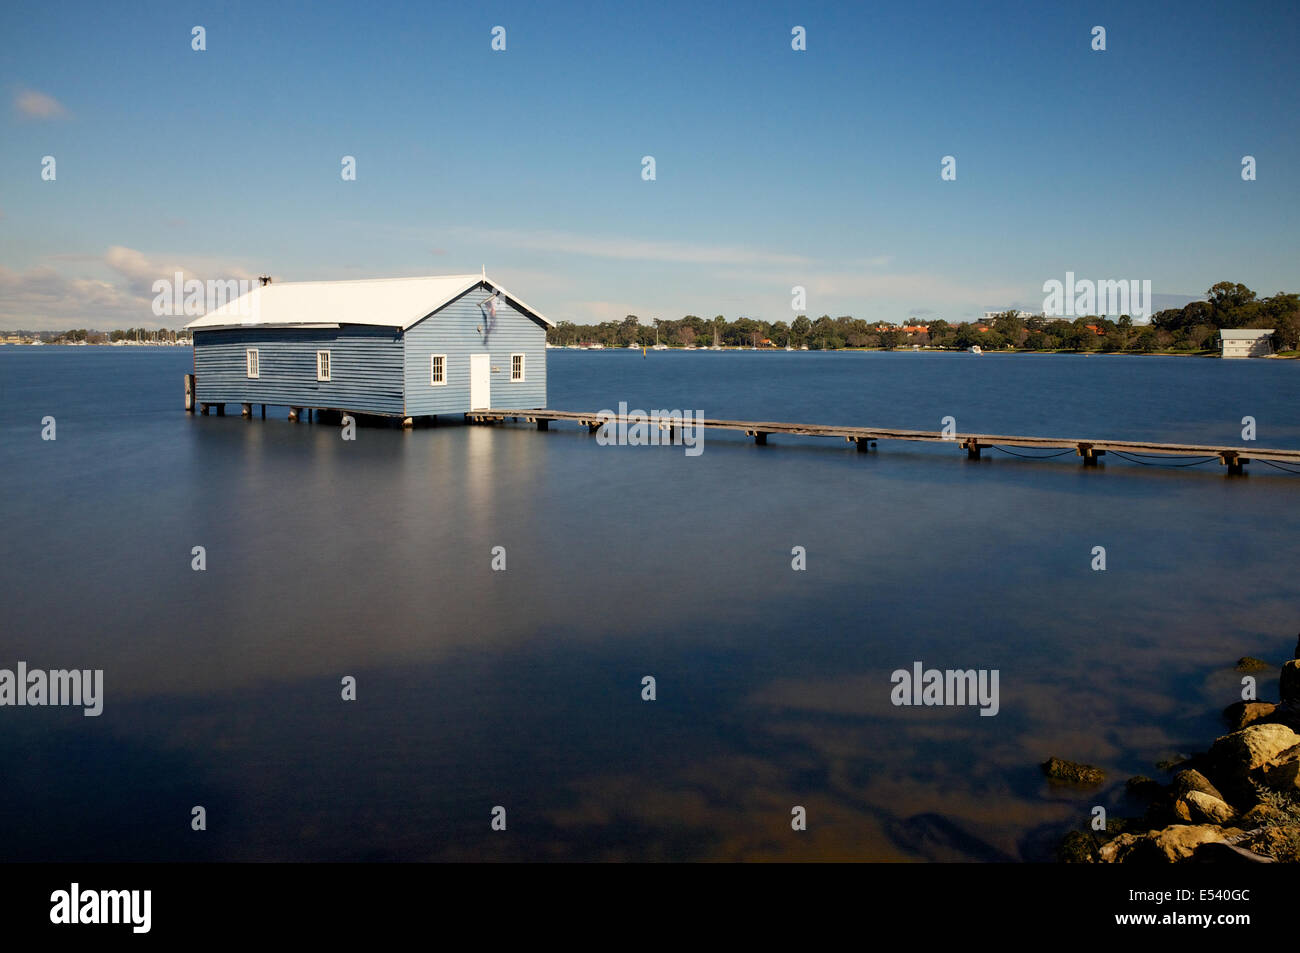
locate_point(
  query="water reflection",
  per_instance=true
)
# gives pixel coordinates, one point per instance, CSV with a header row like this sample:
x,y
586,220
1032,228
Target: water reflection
x,y
522,688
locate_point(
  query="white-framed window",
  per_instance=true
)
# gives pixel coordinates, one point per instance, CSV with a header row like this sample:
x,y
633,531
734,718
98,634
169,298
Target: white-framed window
x,y
437,369
322,365
250,362
516,367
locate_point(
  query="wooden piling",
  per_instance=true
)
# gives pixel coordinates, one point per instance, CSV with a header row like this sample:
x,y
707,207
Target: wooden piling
x,y
189,393
1234,461
246,411
1089,454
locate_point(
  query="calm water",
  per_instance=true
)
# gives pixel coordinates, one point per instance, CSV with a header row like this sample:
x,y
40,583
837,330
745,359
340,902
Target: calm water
x,y
522,688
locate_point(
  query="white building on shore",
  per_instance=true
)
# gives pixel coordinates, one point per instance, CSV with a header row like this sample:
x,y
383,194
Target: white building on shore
x,y
1246,342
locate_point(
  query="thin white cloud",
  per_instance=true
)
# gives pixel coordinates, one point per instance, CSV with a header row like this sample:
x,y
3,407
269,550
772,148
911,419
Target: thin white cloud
x,y
37,105
854,292
626,248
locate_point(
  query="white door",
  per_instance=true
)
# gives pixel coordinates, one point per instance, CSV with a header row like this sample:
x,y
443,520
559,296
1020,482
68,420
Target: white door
x,y
480,381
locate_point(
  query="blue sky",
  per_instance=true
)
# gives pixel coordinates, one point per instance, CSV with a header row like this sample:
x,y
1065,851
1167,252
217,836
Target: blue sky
x,y
774,168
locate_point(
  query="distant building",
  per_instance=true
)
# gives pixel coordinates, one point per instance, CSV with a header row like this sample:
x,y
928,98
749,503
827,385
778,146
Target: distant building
x,y
1246,342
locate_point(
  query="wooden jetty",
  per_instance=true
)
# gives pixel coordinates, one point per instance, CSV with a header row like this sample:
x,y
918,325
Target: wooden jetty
x,y
1234,458
864,438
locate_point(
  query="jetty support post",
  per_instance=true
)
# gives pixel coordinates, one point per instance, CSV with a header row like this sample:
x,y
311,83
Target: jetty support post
x,y
1089,454
293,414
221,410
408,423
246,411
972,448
203,409
1234,461
863,444
264,411
543,423
189,393
760,437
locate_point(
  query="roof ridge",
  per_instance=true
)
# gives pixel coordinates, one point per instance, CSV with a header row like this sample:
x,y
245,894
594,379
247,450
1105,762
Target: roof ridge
x,y
351,281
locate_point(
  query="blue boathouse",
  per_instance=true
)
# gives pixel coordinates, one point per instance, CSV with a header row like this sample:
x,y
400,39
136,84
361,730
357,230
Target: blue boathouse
x,y
391,347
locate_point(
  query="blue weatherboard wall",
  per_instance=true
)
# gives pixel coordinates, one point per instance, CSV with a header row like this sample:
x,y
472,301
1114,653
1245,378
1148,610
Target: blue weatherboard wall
x,y
451,331
365,368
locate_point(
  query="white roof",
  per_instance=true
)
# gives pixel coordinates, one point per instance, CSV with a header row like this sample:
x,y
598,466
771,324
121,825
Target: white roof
x,y
1244,334
387,302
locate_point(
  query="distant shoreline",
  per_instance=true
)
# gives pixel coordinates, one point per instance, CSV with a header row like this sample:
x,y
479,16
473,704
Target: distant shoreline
x,y
1283,356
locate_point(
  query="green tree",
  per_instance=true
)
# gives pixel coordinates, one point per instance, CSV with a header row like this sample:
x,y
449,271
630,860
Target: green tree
x,y
1010,326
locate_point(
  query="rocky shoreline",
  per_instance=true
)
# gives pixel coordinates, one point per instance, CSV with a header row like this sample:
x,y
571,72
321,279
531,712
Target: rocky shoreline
x,y
1238,802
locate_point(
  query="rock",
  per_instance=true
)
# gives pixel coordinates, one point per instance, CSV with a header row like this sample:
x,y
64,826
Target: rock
x,y
1160,813
1175,843
1078,848
1289,685
1124,825
1192,780
1243,714
1236,754
1071,772
1282,773
1248,663
1206,809
1143,788
1118,849
1284,777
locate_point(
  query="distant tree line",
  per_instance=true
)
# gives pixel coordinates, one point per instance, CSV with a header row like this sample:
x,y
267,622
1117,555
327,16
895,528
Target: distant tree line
x,y
1193,327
